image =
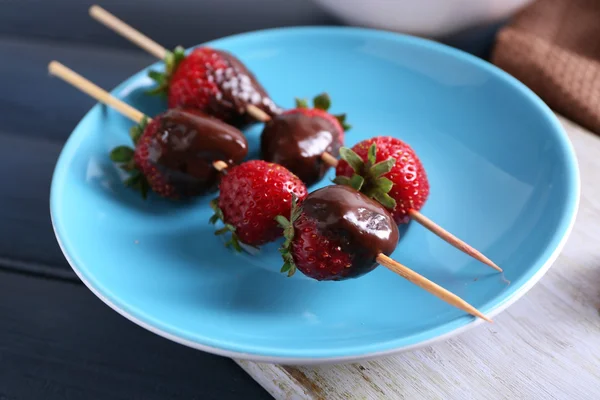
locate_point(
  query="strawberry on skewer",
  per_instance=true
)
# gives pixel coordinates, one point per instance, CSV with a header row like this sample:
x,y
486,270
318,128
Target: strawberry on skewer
x,y
207,79
297,138
388,170
338,233
251,195
177,154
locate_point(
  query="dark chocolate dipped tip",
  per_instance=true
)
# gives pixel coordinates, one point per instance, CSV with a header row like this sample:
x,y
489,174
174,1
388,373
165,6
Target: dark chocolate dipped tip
x,y
297,142
367,223
238,88
363,227
187,143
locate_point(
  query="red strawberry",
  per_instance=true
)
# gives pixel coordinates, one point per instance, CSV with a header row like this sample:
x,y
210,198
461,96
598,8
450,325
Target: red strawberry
x,y
298,137
251,196
388,170
174,153
212,81
336,233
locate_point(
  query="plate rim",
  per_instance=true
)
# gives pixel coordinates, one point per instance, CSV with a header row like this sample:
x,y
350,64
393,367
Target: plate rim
x,y
572,205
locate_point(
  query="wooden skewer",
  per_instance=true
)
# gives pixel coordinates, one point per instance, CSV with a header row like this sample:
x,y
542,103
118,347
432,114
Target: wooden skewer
x,y
135,36
160,52
220,165
57,69
453,240
430,286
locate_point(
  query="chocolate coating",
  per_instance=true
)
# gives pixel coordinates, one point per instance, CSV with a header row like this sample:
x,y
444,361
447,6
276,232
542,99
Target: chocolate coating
x,y
186,144
297,142
239,88
362,226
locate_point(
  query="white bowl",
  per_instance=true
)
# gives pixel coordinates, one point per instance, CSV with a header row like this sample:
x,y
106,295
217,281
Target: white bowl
x,y
429,18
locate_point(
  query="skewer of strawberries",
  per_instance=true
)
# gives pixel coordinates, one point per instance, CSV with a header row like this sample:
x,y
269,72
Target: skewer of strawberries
x,y
180,153
207,79
338,233
174,151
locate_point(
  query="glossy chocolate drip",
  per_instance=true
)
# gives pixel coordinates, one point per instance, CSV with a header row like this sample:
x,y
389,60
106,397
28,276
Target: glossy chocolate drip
x,y
238,88
187,143
297,142
362,226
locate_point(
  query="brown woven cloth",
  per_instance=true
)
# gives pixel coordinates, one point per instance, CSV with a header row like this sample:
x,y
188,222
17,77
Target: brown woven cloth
x,y
553,46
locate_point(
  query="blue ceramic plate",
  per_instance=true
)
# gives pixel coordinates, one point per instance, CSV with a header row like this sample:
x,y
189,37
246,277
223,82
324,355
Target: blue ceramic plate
x,y
503,177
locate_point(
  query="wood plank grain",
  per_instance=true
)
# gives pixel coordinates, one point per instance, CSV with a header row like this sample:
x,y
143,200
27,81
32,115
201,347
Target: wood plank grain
x,y
58,341
545,346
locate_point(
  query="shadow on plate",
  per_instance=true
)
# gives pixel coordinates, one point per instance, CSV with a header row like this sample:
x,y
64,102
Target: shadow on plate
x,y
108,180
150,105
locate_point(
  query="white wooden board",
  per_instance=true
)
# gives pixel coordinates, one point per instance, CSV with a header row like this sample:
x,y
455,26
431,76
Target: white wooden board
x,y
545,346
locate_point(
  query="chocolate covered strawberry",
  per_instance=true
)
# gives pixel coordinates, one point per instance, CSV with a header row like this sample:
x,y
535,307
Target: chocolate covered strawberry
x,y
174,153
213,81
388,170
297,138
336,233
251,196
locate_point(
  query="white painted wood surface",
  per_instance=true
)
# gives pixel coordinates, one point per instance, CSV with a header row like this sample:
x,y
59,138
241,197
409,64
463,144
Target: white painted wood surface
x,y
545,346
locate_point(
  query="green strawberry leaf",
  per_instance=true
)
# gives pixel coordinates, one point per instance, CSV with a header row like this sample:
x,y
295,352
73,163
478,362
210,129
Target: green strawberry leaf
x,y
282,221
384,184
341,180
162,79
372,154
288,233
296,211
286,267
129,166
356,182
382,167
121,154
233,241
221,231
136,131
385,199
301,103
134,178
355,162
178,56
157,77
368,176
342,120
137,181
322,102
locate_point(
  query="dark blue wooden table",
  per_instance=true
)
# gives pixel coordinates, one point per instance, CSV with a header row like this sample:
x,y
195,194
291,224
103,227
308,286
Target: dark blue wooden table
x,y
57,341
